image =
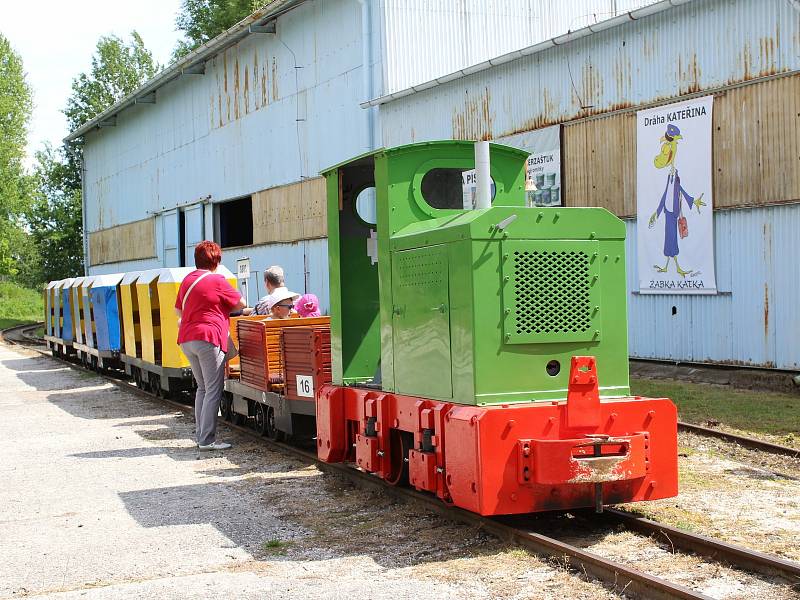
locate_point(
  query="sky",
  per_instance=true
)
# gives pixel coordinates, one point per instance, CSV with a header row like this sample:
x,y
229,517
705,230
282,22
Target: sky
x,y
56,40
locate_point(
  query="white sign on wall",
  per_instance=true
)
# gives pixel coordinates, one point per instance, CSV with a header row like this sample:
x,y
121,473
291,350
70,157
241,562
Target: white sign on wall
x,y
543,168
675,230
243,269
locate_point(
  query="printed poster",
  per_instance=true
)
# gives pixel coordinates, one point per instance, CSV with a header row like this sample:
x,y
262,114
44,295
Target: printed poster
x,y
543,168
675,232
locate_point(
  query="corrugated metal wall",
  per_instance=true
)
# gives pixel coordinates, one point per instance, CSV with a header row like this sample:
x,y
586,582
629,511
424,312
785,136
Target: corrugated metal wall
x,y
755,320
240,128
426,39
701,45
705,45
756,137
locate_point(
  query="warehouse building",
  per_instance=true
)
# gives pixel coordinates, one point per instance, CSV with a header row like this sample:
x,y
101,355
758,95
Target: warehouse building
x,y
228,144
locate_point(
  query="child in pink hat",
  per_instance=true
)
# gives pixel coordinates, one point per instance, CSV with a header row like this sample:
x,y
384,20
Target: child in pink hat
x,y
307,305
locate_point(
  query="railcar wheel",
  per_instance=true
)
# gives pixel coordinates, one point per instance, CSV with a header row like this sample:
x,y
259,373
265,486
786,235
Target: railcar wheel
x,y
270,430
400,443
137,378
155,385
226,407
94,366
260,418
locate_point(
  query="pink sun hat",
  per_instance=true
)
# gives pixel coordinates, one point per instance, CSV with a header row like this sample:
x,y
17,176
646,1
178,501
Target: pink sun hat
x,y
307,306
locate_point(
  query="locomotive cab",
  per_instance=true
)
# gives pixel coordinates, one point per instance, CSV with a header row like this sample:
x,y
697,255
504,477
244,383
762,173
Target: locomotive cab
x,y
470,306
481,354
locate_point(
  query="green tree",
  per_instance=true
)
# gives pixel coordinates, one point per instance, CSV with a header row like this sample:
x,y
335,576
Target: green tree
x,y
118,68
55,217
15,111
202,20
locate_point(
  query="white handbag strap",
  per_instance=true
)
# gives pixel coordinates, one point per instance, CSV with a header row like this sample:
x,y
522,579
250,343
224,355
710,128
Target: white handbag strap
x,y
191,287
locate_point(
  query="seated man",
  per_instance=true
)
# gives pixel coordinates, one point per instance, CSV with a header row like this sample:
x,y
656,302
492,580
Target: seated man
x,y
282,303
273,279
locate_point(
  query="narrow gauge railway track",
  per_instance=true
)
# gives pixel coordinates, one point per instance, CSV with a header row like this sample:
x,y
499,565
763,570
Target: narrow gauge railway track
x,y
615,575
742,440
22,335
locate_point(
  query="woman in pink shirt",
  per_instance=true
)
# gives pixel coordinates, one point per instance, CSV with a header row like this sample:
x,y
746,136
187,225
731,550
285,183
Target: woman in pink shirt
x,y
205,300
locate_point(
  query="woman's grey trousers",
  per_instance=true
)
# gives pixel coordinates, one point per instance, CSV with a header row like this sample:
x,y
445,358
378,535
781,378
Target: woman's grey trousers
x,y
208,368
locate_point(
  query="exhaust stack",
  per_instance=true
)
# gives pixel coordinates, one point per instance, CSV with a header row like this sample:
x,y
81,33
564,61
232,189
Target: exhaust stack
x,y
483,179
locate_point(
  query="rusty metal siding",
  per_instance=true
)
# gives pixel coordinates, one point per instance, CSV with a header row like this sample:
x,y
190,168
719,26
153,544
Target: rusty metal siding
x,y
427,39
756,147
701,45
599,158
757,144
754,321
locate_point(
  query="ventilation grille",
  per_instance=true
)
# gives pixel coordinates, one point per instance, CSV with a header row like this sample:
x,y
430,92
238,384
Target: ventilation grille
x,y
552,292
420,269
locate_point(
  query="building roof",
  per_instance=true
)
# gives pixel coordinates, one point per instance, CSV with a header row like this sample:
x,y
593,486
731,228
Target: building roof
x,y
261,21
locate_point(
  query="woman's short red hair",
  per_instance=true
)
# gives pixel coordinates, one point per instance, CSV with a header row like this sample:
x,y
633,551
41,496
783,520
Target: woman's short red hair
x,y
207,255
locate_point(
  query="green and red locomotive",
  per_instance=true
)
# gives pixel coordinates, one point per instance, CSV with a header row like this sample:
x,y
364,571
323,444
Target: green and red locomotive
x,y
482,353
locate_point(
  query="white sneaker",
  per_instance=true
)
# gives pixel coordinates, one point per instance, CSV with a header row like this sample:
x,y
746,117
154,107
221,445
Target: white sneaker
x,y
215,446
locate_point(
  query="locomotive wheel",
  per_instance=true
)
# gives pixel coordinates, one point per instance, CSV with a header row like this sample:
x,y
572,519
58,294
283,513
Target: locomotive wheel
x,y
155,385
270,430
94,364
400,443
260,419
137,378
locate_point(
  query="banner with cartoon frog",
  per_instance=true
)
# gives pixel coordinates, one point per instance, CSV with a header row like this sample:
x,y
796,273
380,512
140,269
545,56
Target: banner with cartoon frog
x,y
675,230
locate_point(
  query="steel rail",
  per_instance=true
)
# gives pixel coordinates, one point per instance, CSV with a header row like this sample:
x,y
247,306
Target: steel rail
x,y
718,550
16,335
618,577
742,440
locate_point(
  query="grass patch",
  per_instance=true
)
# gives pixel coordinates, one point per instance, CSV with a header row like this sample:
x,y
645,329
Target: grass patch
x,y
19,305
275,547
754,411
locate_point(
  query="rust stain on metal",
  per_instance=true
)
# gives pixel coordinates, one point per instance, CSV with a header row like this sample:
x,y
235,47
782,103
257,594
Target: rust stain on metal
x,y
592,85
746,62
256,105
689,76
766,310
246,91
622,76
236,88
219,92
225,86
474,122
211,111
264,94
766,47
274,78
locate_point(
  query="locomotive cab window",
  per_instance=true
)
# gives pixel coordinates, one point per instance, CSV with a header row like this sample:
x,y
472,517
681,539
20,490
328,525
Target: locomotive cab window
x,y
233,222
449,188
